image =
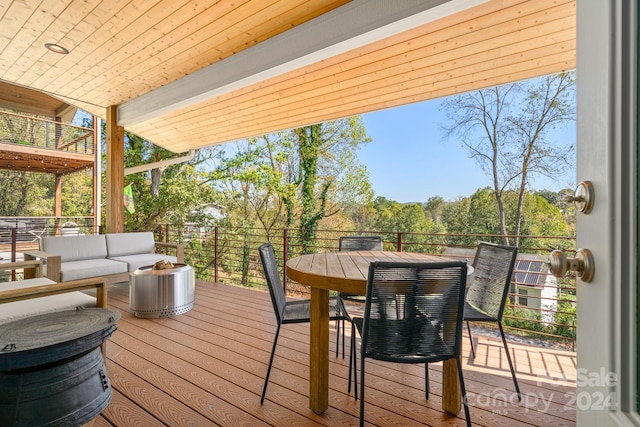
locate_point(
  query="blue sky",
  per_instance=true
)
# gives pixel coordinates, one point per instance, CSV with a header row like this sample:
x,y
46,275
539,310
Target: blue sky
x,y
409,159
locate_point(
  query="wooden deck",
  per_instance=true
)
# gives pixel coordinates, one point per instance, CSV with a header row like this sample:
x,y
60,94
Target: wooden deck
x,y
206,367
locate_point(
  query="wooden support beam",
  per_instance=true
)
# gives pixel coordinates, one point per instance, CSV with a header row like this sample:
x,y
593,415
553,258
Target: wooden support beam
x,y
57,200
96,173
115,174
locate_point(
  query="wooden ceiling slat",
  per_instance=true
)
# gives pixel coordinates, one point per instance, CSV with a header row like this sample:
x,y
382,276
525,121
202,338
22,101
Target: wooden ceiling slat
x,y
295,91
122,49
82,64
78,65
223,45
387,95
174,59
216,43
14,18
27,47
431,64
146,37
335,69
62,30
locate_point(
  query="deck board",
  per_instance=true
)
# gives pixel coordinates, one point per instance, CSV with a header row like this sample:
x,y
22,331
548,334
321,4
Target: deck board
x,y
206,367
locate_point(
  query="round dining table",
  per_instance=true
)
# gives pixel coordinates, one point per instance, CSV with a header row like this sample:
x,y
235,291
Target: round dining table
x,y
348,272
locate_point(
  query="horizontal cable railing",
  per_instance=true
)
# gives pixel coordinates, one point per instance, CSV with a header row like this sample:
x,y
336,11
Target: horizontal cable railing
x,y
40,133
28,230
539,304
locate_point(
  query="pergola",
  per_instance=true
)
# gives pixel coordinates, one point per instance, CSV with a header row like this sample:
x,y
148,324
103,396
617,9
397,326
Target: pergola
x,y
188,74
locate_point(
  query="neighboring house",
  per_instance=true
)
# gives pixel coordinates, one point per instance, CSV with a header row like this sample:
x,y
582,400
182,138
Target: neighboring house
x,y
535,286
201,219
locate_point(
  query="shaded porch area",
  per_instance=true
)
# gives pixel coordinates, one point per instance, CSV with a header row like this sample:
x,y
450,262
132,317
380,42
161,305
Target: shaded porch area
x,y
206,367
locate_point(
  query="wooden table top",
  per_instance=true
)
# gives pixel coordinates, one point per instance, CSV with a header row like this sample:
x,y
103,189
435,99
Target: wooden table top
x,y
345,271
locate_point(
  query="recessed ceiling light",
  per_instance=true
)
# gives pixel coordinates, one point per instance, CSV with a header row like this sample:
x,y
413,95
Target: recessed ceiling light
x,y
56,48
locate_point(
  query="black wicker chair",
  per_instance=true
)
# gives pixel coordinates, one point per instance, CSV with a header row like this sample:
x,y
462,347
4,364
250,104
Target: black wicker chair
x,y
413,314
292,311
360,243
487,295
355,243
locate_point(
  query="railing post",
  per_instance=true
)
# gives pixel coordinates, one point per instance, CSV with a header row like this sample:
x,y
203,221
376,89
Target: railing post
x,y
285,256
14,240
400,242
46,135
58,133
215,254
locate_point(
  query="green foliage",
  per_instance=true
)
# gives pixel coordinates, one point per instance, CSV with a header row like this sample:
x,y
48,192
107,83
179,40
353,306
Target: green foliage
x,y
477,214
524,318
562,324
77,194
162,195
565,317
295,178
32,193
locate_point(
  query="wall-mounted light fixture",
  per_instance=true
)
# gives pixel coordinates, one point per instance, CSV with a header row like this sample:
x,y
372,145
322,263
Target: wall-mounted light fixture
x,y
56,48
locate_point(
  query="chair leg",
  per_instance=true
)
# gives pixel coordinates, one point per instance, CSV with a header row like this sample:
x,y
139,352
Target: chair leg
x,y
273,352
352,364
513,371
463,390
338,334
354,357
343,329
473,351
361,391
426,380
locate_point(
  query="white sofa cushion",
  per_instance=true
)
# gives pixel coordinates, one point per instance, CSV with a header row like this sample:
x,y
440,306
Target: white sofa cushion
x,y
74,270
142,260
20,309
121,244
75,248
27,283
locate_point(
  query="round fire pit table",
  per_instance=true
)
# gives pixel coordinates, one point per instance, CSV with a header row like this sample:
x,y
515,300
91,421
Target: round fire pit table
x,y
161,293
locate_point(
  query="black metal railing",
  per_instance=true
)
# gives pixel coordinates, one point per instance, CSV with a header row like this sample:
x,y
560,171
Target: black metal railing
x,y
15,231
539,305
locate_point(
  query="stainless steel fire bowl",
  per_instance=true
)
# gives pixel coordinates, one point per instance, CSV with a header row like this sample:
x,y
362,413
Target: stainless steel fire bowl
x,y
161,293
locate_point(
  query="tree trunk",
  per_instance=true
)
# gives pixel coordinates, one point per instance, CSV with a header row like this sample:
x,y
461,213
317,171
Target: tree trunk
x,y
309,140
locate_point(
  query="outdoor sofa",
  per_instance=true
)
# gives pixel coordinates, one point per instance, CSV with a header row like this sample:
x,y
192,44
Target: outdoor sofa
x,y
112,256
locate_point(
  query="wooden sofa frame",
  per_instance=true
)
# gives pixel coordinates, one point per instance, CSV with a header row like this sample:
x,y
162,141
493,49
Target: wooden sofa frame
x,y
35,269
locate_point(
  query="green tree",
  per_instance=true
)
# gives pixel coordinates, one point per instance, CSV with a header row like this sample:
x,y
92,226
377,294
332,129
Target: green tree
x,y
77,194
455,215
326,165
484,217
506,129
167,194
13,197
296,178
434,207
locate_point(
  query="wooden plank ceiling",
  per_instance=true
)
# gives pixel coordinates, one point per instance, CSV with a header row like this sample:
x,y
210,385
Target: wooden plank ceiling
x,y
137,54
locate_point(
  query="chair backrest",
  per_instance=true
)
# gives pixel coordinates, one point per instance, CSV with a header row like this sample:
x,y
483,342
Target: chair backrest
x,y
276,290
360,243
413,311
493,266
